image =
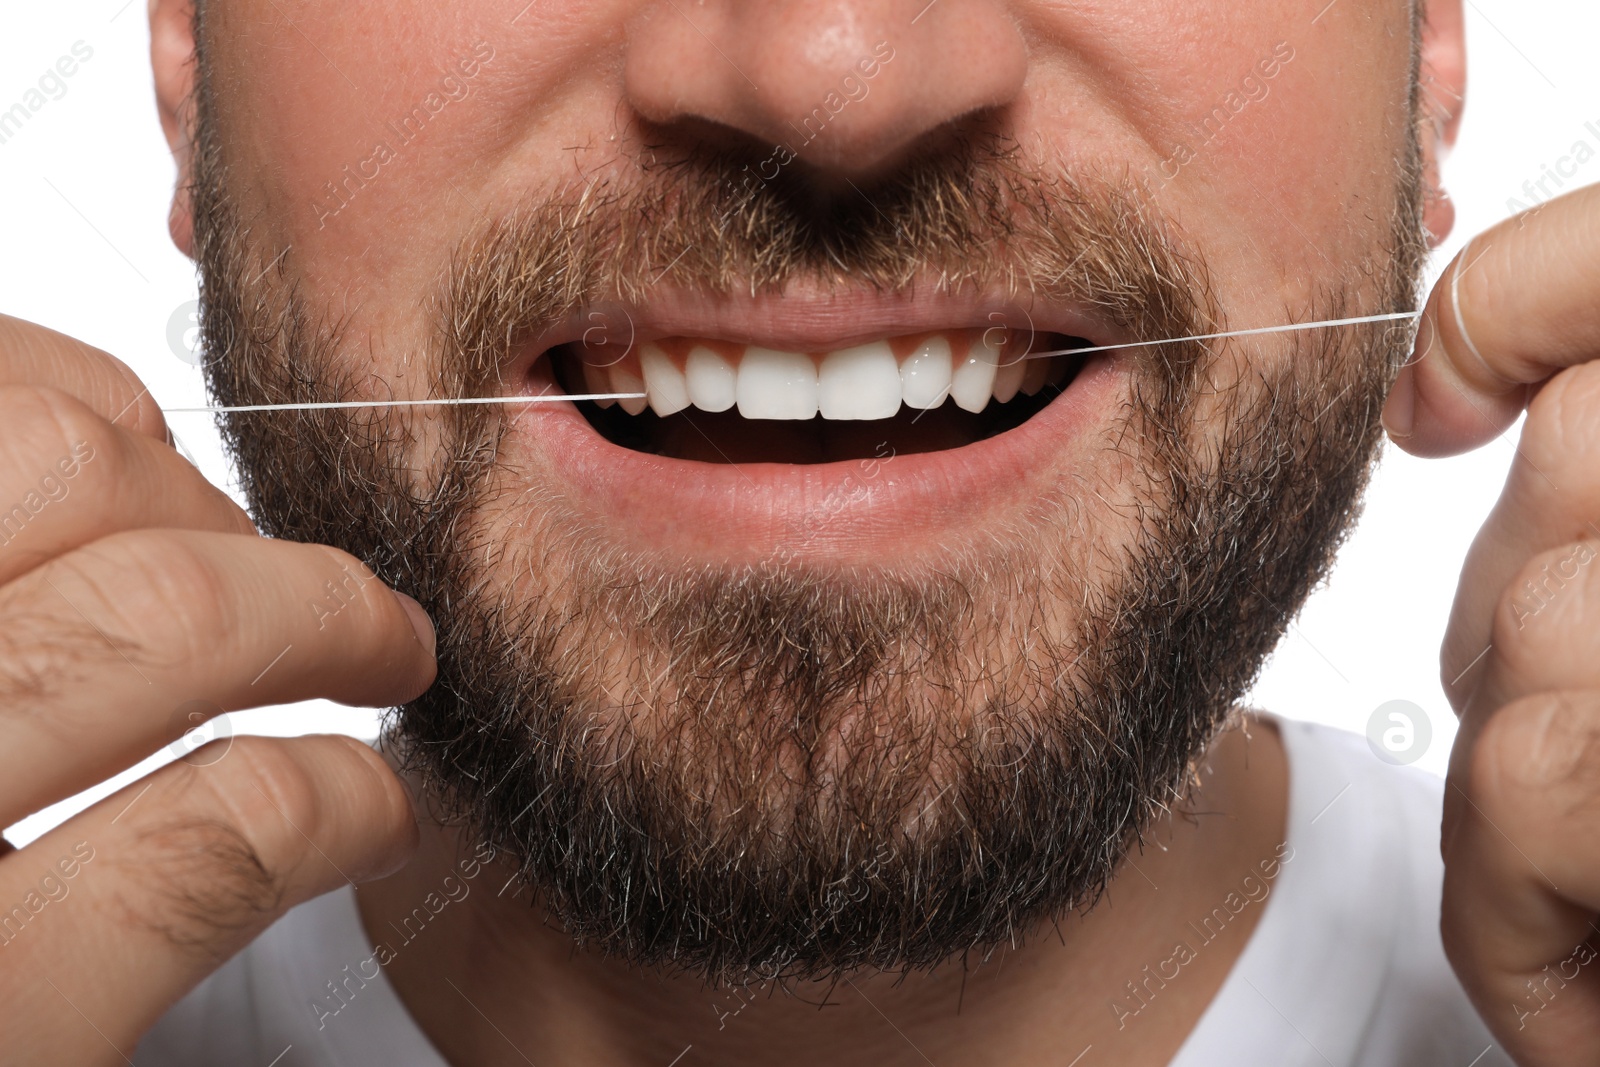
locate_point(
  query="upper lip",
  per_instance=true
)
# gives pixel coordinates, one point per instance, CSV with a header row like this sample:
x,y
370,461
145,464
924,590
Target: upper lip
x,y
798,320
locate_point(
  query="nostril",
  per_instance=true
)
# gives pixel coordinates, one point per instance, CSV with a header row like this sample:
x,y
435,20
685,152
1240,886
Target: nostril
x,y
843,87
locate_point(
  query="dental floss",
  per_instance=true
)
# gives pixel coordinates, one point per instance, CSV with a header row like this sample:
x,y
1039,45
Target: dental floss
x,y
1396,316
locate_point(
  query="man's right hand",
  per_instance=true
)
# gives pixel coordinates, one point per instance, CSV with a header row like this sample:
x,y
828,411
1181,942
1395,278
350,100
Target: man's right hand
x,y
131,593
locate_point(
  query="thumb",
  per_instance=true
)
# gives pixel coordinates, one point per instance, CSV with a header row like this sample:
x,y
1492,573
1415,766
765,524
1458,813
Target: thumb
x,y
1518,304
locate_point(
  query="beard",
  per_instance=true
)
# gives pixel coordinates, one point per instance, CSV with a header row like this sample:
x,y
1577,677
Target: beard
x,y
778,769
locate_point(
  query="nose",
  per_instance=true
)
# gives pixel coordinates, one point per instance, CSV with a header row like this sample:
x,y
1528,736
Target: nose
x,y
847,86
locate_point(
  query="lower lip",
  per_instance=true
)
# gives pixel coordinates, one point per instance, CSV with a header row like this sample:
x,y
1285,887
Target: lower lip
x,y
844,512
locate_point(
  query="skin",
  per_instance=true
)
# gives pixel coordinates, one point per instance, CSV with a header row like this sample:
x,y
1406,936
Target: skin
x,y
166,896
1522,877
187,595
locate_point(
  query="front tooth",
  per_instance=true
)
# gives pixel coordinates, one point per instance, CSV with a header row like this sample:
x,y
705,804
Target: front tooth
x,y
1038,374
624,380
860,383
712,381
925,375
595,381
1008,376
972,384
664,382
777,385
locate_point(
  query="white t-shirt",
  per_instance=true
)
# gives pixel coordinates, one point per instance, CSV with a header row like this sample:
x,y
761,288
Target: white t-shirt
x,y
1344,968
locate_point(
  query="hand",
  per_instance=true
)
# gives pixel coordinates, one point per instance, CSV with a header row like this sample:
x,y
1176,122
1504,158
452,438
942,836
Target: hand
x,y
131,591
1515,322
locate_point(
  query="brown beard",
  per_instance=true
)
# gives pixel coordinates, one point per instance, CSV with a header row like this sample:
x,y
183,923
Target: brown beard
x,y
778,769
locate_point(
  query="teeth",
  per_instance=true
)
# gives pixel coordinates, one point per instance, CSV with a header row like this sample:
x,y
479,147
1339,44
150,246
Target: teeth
x,y
925,375
712,380
859,383
1009,377
777,385
864,382
595,380
665,383
972,384
1038,372
624,380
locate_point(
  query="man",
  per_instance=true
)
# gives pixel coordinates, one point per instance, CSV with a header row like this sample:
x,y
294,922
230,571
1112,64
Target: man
x,y
854,676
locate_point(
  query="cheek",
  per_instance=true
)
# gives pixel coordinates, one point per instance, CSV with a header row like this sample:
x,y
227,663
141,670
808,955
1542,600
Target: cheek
x,y
1302,181
1278,190
360,138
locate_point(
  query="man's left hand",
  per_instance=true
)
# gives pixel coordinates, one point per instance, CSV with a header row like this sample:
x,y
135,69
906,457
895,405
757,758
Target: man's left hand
x,y
1514,324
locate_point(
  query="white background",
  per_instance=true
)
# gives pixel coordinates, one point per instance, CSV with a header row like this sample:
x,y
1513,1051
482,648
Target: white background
x,y
84,188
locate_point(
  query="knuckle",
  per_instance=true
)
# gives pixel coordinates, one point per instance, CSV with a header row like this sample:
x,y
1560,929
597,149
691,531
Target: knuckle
x,y
166,598
392,806
1544,608
147,597
40,413
200,884
40,651
1563,423
1546,746
224,869
271,795
52,425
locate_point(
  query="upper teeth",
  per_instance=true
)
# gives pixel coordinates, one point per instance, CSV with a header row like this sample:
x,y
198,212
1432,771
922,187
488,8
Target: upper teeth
x,y
867,381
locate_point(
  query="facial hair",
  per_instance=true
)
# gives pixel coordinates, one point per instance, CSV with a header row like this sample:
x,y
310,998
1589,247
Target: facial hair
x,y
778,769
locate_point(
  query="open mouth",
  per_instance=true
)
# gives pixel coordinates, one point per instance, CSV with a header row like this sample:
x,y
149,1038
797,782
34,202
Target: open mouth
x,y
718,401
820,425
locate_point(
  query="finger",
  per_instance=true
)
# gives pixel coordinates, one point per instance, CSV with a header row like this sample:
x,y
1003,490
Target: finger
x,y
121,910
1544,636
1514,307
73,477
166,621
30,354
1522,877
1551,498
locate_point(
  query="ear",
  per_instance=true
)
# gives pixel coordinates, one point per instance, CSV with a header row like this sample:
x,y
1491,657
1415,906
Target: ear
x,y
1444,93
172,59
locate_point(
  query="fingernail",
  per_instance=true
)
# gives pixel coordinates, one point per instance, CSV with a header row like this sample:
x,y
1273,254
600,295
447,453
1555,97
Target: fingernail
x,y
1399,411
419,621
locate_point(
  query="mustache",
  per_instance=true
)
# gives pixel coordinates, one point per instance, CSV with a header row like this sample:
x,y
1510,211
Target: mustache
x,y
973,216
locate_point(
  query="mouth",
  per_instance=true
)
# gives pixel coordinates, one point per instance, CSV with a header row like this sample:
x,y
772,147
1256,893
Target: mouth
x,y
816,429
716,401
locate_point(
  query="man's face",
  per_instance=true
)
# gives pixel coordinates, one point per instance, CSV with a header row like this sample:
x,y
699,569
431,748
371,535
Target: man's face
x,y
748,692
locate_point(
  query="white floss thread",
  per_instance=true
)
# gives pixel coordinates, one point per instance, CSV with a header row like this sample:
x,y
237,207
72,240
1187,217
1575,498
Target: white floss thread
x,y
1396,316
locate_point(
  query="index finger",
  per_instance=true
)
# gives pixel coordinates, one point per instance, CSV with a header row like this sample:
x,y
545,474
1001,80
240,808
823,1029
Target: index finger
x,y
1520,303
31,354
